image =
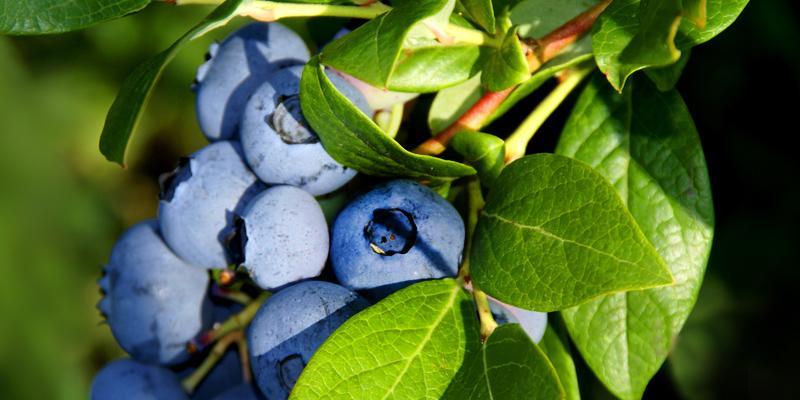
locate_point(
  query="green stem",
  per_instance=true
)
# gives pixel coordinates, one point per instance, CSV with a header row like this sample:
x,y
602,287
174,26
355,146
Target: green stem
x,y
235,322
518,141
488,324
197,376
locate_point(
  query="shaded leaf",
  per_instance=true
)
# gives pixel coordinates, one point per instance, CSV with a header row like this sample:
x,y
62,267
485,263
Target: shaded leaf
x,y
354,140
555,234
36,17
645,143
481,12
505,66
555,344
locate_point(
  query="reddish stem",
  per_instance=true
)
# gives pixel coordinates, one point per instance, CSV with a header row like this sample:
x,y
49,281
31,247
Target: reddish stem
x,y
540,51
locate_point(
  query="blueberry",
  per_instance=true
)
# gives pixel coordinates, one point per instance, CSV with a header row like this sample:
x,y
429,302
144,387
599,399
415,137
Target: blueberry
x,y
279,144
154,302
533,323
241,392
289,328
129,380
236,68
398,233
199,200
282,236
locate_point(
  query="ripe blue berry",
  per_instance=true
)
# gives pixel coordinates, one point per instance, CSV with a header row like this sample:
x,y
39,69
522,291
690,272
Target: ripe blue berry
x,y
397,234
199,200
154,302
130,380
289,328
279,144
237,67
282,236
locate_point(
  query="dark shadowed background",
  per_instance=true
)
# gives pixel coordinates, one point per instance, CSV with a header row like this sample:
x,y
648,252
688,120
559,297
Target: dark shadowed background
x,y
62,205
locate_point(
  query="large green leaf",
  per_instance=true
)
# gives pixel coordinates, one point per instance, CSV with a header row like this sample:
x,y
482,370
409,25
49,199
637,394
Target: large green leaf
x,y
429,69
36,17
353,139
408,346
667,77
555,234
508,366
645,143
371,52
629,32
555,344
537,18
124,113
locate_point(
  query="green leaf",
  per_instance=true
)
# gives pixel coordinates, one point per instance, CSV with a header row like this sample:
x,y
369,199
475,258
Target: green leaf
x,y
555,234
537,18
452,102
430,69
720,14
505,66
666,78
632,35
622,24
483,151
353,139
481,12
408,346
36,17
124,113
371,52
555,344
509,366
695,11
645,143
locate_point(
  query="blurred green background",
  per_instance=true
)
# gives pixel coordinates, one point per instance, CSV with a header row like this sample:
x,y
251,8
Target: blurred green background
x,y
62,205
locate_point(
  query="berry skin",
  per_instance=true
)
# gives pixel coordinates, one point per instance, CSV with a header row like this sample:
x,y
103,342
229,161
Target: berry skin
x,y
399,233
533,323
199,201
283,237
279,145
241,392
130,380
154,302
238,65
289,328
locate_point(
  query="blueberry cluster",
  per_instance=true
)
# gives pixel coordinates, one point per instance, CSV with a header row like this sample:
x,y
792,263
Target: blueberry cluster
x,y
240,216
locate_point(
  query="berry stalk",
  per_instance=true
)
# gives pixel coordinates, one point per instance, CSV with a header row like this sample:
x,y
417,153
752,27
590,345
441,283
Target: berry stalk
x,y
236,322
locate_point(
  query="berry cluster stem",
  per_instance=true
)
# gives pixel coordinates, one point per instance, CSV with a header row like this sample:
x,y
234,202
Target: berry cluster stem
x,y
236,322
518,141
197,376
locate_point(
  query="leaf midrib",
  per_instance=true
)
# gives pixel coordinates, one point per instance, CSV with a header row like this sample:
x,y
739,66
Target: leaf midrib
x,y
445,310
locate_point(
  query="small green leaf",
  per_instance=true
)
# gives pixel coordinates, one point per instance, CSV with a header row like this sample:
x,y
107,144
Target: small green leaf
x,y
481,12
505,66
36,17
667,77
555,344
429,69
485,152
644,142
408,346
452,102
555,234
371,52
124,113
508,366
537,18
353,139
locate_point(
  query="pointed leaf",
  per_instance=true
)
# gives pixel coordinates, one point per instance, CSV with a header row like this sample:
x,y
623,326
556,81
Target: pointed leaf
x,y
124,113
645,143
36,17
481,12
555,234
667,77
508,366
353,139
408,346
505,66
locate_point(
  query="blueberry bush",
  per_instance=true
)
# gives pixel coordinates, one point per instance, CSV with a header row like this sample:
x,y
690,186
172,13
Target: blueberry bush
x,y
323,246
